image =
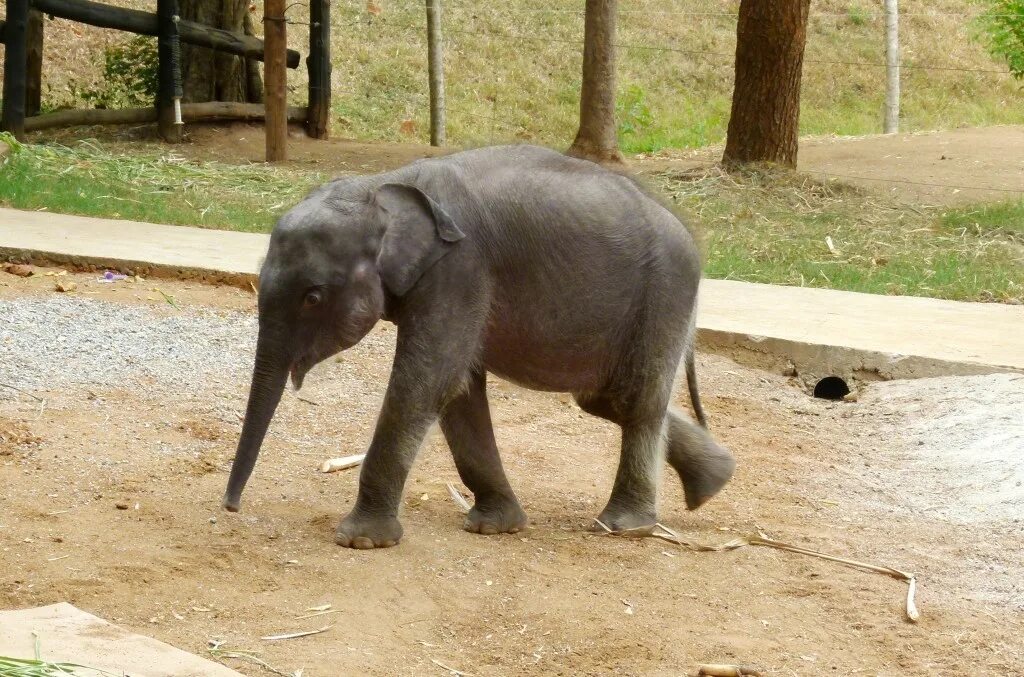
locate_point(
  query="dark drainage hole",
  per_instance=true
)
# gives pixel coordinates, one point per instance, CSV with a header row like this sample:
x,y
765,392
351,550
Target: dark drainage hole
x,y
831,388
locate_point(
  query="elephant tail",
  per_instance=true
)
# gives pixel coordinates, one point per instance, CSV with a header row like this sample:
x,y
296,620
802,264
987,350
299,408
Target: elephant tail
x,y
691,384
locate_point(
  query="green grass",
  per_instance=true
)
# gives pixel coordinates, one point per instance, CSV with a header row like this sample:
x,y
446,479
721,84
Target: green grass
x,y
759,227
1003,220
160,188
775,228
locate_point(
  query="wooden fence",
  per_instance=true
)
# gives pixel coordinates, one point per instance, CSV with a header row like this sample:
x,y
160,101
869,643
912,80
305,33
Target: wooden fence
x,y
22,35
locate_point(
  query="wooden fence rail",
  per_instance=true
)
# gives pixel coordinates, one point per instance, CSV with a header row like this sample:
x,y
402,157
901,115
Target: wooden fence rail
x,y
147,23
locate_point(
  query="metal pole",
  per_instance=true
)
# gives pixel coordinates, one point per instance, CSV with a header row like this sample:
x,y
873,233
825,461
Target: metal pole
x,y
169,51
435,66
892,67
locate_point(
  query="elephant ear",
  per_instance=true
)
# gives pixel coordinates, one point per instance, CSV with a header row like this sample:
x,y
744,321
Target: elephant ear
x,y
418,232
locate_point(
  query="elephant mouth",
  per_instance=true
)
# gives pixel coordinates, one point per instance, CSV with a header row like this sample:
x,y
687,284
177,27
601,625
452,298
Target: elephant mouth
x,y
298,372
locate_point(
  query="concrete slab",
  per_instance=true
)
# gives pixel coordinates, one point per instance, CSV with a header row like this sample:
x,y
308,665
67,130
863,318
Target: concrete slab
x,y
818,332
70,635
81,240
825,332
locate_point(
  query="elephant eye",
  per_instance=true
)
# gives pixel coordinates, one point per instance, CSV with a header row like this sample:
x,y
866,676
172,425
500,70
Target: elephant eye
x,y
313,298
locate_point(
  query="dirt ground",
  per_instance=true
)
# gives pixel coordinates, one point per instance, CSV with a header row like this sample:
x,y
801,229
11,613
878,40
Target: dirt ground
x,y
952,167
928,168
551,600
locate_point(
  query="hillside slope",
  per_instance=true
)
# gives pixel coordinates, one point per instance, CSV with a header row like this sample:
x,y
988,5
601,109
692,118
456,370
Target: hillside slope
x,y
513,69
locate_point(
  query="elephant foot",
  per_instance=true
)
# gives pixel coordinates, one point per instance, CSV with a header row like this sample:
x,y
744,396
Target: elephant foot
x,y
364,532
495,516
622,519
704,476
703,465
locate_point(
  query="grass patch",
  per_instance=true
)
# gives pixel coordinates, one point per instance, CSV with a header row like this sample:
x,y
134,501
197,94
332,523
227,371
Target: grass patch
x,y
1002,220
161,188
776,228
760,227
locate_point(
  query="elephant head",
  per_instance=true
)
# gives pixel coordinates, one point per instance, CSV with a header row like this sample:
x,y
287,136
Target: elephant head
x,y
334,263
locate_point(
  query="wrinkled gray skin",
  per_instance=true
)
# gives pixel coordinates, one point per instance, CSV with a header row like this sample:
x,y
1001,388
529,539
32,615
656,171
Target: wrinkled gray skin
x,y
546,270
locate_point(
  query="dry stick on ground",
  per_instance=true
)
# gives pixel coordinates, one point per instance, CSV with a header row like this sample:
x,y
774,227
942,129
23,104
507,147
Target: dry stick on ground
x,y
343,463
667,534
712,670
659,530
296,635
23,392
458,497
450,669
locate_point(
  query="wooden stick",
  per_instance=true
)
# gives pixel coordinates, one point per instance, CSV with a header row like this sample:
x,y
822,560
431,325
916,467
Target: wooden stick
x,y
12,119
275,81
713,670
296,635
190,112
319,66
667,534
145,23
343,463
23,392
458,497
451,670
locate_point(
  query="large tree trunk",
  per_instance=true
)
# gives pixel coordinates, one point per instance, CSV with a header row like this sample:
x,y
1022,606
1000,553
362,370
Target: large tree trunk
x,y
215,76
765,120
596,139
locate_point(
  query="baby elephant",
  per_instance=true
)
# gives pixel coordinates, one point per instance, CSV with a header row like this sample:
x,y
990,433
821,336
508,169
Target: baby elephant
x,y
546,270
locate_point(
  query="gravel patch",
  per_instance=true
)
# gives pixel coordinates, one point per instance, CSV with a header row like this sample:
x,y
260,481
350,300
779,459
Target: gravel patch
x,y
958,441
61,341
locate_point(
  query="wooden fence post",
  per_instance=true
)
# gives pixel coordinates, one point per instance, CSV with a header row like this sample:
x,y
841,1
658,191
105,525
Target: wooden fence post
x,y
435,67
275,46
892,67
169,93
34,64
319,64
15,66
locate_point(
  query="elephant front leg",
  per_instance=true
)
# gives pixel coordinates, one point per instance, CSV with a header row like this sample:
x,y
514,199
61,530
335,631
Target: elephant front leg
x,y
466,423
373,521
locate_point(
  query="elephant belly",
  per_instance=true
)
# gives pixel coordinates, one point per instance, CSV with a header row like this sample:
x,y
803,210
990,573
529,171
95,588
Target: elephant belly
x,y
569,364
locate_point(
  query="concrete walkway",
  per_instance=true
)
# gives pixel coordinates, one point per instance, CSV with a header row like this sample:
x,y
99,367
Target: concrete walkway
x,y
821,332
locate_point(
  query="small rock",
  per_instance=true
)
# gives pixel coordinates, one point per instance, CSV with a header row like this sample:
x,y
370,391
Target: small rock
x,y
19,269
213,520
121,505
851,397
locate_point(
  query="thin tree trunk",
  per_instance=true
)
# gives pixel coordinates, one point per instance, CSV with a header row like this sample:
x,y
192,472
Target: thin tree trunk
x,y
435,71
765,121
597,139
216,76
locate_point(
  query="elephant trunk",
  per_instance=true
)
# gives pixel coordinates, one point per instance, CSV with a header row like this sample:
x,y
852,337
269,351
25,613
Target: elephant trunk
x,y
269,376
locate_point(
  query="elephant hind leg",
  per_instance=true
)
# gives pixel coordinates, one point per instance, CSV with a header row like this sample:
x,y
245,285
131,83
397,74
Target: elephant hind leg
x,y
633,502
703,465
466,423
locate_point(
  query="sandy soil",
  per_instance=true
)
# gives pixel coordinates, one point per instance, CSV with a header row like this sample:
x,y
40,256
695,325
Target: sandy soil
x,y
552,600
